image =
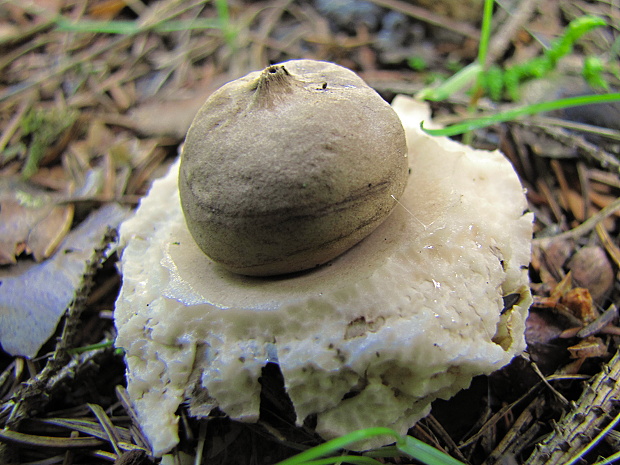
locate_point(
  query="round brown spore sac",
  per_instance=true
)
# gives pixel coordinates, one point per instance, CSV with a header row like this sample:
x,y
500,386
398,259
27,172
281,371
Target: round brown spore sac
x,y
285,169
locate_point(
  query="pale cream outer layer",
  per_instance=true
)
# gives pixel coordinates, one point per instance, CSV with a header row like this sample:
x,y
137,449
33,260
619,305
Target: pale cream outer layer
x,y
408,315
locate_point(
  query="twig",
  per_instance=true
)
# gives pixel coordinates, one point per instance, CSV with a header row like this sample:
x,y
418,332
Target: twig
x,y
595,441
584,227
605,319
612,249
498,416
107,426
13,124
573,140
47,441
428,17
440,433
137,434
587,415
155,18
86,427
505,33
545,121
524,429
557,394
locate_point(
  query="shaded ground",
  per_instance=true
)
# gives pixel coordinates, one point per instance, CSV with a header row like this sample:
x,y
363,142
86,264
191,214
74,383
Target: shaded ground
x,y
92,110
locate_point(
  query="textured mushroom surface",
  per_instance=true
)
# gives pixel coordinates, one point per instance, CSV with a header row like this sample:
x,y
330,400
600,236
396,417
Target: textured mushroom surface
x,y
408,315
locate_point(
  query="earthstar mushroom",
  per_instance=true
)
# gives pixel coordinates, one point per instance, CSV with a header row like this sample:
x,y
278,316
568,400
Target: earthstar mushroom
x,y
283,170
409,314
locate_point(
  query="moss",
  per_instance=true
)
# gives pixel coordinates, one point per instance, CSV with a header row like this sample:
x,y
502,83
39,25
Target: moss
x,y
44,127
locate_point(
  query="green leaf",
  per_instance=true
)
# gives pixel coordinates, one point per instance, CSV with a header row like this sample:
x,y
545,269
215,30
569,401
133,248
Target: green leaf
x,y
515,113
593,72
417,63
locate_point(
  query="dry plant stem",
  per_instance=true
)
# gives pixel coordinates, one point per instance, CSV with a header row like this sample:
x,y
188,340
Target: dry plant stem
x,y
498,416
28,33
546,192
558,171
584,182
14,123
506,31
259,55
14,91
604,177
136,432
33,395
439,431
609,244
557,394
600,324
576,428
86,427
522,154
549,121
603,157
584,227
48,441
6,377
11,57
425,433
524,430
424,15
152,19
107,426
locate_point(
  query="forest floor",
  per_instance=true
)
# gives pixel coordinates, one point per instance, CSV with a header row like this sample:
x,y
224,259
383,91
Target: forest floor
x,y
95,100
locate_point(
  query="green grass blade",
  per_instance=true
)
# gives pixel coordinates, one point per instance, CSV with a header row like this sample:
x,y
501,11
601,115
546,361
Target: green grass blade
x,y
121,27
456,82
354,459
223,12
102,27
223,16
485,31
573,32
334,445
181,25
425,453
88,348
515,113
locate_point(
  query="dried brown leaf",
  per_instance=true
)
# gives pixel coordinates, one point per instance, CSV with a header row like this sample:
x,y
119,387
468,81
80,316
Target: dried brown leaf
x,y
576,205
106,9
561,288
589,347
34,298
167,118
590,268
579,303
549,261
46,235
31,222
602,200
